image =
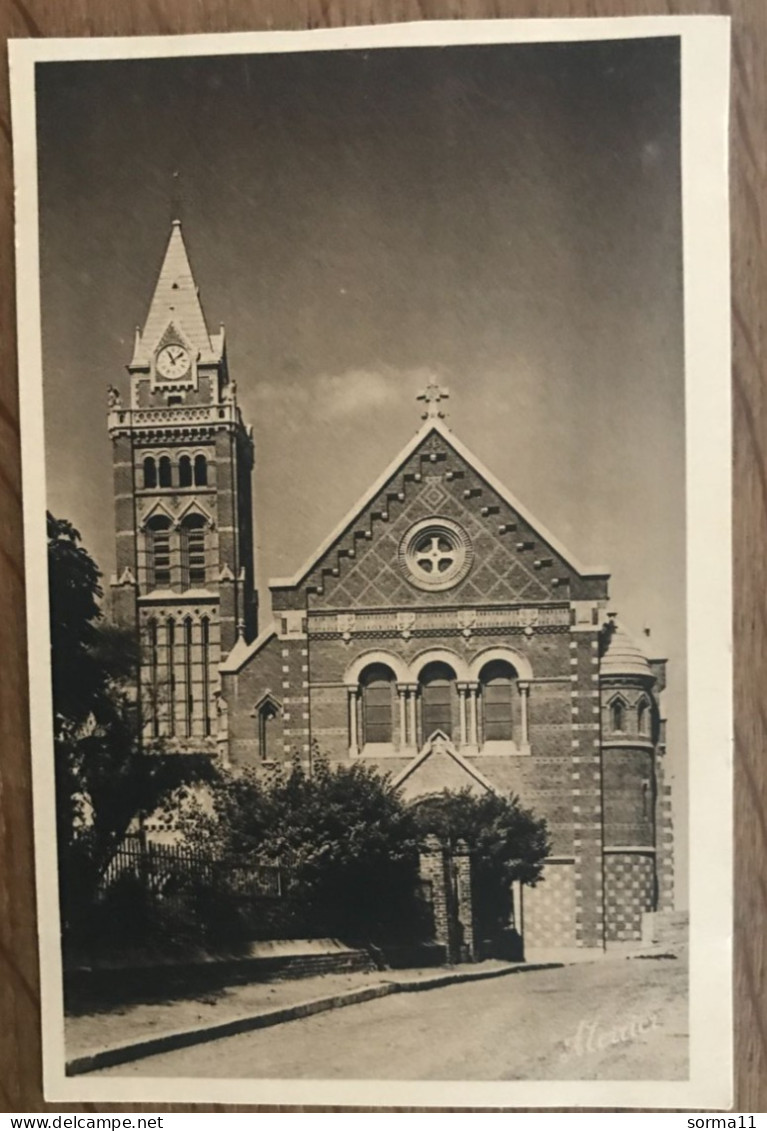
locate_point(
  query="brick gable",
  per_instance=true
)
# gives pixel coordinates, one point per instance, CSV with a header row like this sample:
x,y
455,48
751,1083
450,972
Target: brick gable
x,y
512,562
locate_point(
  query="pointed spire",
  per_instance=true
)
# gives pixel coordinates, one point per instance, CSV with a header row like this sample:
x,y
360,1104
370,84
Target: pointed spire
x,y
176,300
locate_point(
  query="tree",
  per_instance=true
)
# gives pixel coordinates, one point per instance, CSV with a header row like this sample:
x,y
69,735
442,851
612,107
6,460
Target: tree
x,y
506,841
343,835
105,778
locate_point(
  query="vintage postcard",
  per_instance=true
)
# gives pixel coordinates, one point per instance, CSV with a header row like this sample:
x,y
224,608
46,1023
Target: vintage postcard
x,y
375,409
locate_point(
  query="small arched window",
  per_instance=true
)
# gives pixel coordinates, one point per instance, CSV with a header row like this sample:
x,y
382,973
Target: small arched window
x,y
185,472
497,685
267,714
437,689
200,471
377,704
643,718
166,475
618,715
158,552
150,473
193,552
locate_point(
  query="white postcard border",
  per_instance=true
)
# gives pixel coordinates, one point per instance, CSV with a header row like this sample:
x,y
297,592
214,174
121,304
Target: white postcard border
x,y
705,86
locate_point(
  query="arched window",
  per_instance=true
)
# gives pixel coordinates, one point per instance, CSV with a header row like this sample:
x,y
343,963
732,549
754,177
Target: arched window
x,y
618,715
377,684
188,675
154,681
158,552
205,632
267,713
437,691
150,473
643,717
171,644
166,477
193,552
200,471
497,685
185,472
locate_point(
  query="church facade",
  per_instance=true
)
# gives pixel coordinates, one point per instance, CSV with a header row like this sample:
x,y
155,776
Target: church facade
x,y
440,632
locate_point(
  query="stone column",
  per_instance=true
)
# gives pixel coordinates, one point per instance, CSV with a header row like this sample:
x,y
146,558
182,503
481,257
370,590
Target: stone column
x,y
473,689
402,696
524,691
462,692
412,691
431,868
353,740
464,909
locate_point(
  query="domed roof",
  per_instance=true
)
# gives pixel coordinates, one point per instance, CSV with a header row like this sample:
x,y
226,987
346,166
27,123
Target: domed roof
x,y
623,656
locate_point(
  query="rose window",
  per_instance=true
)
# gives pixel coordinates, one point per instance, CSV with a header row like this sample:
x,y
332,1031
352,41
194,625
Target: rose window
x,y
435,554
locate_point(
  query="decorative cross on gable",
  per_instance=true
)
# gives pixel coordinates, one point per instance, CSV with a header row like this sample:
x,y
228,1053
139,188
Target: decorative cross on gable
x,y
431,396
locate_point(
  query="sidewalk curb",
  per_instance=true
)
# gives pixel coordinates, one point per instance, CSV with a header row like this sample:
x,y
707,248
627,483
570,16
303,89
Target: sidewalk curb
x,y
184,1038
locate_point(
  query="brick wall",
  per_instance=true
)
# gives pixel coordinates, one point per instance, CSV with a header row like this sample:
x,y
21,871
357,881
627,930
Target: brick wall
x,y
629,892
549,908
629,795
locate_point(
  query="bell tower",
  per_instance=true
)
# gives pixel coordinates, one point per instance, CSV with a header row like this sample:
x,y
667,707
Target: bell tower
x,y
182,460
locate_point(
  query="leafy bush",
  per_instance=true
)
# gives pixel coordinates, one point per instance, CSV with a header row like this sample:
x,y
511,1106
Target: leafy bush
x,y
343,835
506,841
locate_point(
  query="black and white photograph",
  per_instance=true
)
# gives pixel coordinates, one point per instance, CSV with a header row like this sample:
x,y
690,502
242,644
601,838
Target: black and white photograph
x,y
375,395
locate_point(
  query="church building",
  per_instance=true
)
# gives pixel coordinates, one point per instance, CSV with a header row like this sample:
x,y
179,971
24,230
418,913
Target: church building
x,y
440,632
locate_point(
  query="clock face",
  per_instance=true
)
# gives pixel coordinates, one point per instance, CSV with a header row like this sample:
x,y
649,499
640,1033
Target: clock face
x,y
173,362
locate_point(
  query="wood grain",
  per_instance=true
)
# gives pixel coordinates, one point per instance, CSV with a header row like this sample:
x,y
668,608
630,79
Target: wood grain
x,y
20,1067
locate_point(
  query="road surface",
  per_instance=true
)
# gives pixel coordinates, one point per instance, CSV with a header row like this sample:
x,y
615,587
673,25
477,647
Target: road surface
x,y
614,1019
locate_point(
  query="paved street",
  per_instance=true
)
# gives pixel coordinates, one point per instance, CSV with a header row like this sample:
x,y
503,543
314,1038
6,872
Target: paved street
x,y
614,1019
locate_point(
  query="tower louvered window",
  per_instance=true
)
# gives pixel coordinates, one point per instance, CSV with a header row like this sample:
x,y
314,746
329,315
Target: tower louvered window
x,y
194,553
159,554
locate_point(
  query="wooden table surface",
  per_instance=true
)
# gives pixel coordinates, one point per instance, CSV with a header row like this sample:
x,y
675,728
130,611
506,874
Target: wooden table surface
x,y
20,1067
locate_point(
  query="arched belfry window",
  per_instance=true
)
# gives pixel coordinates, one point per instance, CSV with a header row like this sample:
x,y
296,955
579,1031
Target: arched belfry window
x,y
158,538
437,683
150,473
194,551
200,471
643,718
497,687
166,472
185,472
377,683
618,715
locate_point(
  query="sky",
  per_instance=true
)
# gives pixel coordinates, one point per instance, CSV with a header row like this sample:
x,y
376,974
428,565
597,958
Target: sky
x,y
505,220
